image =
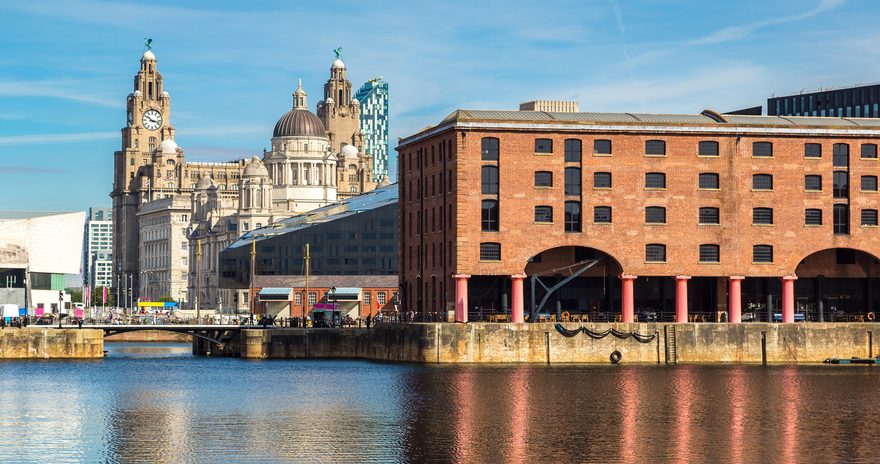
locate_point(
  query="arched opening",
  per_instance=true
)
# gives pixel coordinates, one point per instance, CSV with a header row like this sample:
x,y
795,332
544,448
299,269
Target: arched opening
x,y
580,281
837,285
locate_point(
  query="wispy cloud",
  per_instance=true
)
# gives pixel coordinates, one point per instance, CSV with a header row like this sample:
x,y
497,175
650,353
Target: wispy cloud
x,y
35,139
618,15
732,33
63,89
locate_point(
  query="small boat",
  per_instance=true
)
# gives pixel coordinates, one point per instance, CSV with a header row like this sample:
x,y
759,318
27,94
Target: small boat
x,y
852,360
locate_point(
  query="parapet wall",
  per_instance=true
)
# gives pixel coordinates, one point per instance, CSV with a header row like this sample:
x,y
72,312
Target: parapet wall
x,y
46,343
542,343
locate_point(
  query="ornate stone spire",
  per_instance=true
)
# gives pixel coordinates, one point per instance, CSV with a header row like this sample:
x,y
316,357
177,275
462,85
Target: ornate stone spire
x,y
299,98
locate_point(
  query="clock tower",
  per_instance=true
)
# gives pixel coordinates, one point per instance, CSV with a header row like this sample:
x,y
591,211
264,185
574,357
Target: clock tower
x,y
147,125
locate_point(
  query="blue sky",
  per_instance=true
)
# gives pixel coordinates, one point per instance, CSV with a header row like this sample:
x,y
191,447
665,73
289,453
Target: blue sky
x,y
230,67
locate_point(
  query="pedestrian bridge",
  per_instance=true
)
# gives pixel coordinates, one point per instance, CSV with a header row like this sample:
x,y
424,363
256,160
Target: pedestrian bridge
x,y
219,334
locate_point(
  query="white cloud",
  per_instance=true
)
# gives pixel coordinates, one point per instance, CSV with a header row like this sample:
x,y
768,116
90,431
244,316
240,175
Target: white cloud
x,y
36,139
732,33
62,89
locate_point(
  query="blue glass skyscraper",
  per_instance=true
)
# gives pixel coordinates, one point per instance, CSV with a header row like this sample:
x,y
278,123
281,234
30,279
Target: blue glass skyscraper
x,y
373,96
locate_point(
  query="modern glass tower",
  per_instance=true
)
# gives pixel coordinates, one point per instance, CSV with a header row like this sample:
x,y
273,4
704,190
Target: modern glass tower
x,y
373,96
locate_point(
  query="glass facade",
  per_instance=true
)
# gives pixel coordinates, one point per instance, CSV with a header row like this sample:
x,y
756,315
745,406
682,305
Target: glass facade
x,y
857,102
373,97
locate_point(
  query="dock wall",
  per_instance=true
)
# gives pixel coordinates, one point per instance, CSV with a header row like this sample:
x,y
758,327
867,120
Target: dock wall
x,y
48,343
542,343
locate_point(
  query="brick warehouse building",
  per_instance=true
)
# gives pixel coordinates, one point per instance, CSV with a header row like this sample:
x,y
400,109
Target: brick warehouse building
x,y
640,216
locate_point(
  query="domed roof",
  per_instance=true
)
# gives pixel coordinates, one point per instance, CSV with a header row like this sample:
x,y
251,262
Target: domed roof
x,y
256,168
165,95
204,183
148,55
349,151
338,64
168,146
299,123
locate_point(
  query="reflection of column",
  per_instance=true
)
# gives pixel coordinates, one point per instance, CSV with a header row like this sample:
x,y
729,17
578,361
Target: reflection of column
x,y
629,412
681,298
461,297
734,300
626,296
682,383
463,382
790,394
737,397
516,309
788,298
519,414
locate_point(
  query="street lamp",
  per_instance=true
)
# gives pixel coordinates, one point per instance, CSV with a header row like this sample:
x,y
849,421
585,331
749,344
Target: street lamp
x,y
333,306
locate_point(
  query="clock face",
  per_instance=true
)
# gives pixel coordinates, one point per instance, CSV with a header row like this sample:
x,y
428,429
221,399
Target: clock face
x,y
152,119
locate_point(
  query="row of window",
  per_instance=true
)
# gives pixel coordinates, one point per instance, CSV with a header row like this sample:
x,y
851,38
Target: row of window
x,y
657,215
654,253
573,149
657,180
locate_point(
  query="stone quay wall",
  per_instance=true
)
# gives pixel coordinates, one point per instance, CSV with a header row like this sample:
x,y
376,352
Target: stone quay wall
x,y
541,343
150,336
48,343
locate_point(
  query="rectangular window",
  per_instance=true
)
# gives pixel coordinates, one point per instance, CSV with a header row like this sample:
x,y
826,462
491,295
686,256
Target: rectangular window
x,y
709,180
572,181
762,216
602,180
602,215
573,151
655,215
762,149
762,254
813,183
490,216
543,179
841,184
601,147
490,179
655,180
710,253
841,219
543,146
368,298
869,183
709,215
572,216
812,150
869,151
297,298
655,253
490,252
313,298
380,298
840,155
869,217
490,149
762,182
655,148
543,214
708,148
813,217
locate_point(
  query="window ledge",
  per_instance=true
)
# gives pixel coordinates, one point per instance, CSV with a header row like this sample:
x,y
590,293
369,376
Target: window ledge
x,y
539,223
655,223
709,189
605,155
601,188
543,186
543,154
870,226
655,262
763,225
654,156
761,263
762,190
708,156
868,159
490,231
709,262
656,189
493,261
812,225
812,191
708,223
868,191
602,223
762,157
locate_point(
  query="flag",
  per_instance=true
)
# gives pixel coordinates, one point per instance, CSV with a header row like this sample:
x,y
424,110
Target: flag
x,y
104,300
87,293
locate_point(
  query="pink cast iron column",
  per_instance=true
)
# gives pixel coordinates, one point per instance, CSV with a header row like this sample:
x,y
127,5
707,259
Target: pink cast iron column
x,y
681,298
626,295
461,297
734,300
516,308
788,298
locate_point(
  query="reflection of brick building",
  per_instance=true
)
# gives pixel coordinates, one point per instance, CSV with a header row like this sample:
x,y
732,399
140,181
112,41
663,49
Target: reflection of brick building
x,y
677,209
356,296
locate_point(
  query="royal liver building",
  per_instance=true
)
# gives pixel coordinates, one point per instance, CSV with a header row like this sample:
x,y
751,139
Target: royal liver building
x,y
172,217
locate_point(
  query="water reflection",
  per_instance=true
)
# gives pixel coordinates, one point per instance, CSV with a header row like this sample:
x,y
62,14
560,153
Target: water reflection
x,y
143,404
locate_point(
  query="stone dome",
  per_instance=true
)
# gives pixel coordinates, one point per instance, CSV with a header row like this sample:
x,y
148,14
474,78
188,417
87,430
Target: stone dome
x,y
349,151
168,146
204,183
256,168
338,64
165,95
149,55
299,123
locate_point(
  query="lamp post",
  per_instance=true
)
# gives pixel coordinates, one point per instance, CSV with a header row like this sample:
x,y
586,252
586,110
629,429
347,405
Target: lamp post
x,y
333,306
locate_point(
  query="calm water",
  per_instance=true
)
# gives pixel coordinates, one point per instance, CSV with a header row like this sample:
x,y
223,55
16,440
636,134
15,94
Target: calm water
x,y
156,403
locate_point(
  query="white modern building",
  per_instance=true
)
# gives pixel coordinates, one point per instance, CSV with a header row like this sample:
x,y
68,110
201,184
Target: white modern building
x,y
37,251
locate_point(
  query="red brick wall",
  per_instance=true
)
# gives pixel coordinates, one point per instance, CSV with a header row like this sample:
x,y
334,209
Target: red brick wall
x,y
625,239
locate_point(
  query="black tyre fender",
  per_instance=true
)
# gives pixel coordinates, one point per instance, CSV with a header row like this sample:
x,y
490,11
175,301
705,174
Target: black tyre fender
x,y
615,357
